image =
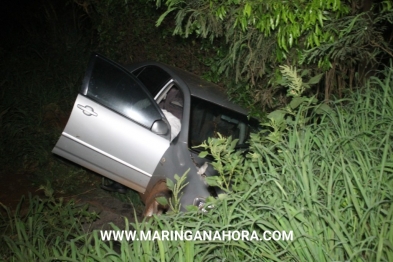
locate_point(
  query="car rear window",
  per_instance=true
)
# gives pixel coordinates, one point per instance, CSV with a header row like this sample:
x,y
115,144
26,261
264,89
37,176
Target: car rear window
x,y
209,119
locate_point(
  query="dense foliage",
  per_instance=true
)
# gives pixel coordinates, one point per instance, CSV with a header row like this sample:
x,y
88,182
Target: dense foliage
x,y
345,39
327,178
243,42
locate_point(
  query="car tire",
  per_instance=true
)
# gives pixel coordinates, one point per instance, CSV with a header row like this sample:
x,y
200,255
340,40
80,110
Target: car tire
x,y
152,207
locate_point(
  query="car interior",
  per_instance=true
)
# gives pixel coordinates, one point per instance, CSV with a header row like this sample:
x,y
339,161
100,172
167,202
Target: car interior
x,y
171,103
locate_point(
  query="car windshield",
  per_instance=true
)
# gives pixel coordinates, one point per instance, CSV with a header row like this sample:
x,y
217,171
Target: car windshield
x,y
209,119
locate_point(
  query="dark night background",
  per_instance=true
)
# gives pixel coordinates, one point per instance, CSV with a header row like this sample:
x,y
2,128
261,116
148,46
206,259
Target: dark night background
x,y
14,15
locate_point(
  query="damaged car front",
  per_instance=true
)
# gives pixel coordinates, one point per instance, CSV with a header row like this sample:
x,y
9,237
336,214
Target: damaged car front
x,y
138,126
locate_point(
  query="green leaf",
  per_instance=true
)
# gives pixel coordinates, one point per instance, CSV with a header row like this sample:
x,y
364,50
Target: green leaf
x,y
162,200
191,208
233,144
296,101
277,115
304,72
203,154
316,40
213,181
189,250
162,17
222,196
320,17
323,109
247,10
169,184
315,79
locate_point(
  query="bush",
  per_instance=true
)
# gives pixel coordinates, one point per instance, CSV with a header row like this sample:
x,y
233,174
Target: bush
x,y
322,172
325,173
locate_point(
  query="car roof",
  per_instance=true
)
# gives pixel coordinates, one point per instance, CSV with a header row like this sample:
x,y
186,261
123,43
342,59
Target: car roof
x,y
197,86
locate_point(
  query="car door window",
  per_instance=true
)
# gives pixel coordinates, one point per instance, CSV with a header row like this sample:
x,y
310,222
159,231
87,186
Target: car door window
x,y
153,77
115,88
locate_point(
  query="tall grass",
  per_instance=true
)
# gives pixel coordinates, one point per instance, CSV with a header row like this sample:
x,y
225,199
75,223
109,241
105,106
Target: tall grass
x,y
330,182
45,228
42,64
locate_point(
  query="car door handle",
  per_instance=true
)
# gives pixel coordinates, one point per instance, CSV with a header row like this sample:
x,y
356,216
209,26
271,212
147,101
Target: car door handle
x,y
87,110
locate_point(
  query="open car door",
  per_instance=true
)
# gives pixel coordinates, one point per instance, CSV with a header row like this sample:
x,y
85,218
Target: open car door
x,y
116,128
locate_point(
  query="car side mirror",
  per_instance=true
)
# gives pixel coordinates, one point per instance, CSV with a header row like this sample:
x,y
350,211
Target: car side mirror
x,y
160,127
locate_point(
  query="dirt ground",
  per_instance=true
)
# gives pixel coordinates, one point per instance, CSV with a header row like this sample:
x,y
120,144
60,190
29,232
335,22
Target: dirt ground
x,y
109,206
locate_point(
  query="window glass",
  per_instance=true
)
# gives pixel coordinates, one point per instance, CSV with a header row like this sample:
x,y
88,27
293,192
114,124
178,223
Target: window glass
x,y
118,90
153,77
208,119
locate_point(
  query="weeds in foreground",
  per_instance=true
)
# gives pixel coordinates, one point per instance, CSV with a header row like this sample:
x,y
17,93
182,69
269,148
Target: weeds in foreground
x,y
43,229
329,182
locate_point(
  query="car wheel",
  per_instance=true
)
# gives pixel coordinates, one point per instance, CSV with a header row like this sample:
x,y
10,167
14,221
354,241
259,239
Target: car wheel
x,y
152,207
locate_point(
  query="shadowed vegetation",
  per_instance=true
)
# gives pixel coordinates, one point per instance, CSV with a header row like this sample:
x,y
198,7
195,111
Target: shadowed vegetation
x,y
328,181
322,170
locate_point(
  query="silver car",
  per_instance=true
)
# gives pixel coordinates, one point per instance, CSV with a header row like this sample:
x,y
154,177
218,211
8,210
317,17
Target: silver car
x,y
137,125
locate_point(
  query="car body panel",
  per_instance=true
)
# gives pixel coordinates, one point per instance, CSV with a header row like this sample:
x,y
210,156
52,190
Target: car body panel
x,y
111,144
